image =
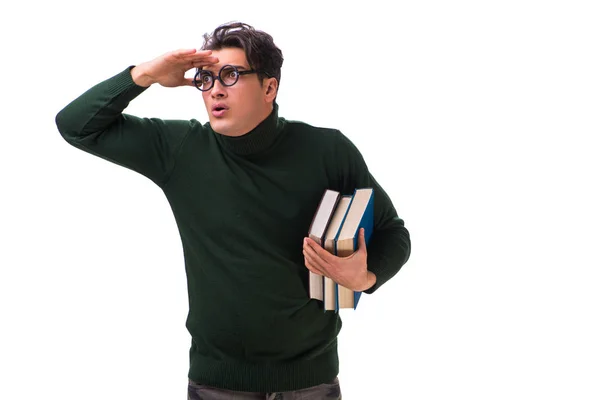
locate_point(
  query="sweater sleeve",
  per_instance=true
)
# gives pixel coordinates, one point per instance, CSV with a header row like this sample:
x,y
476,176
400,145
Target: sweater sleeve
x,y
95,123
390,245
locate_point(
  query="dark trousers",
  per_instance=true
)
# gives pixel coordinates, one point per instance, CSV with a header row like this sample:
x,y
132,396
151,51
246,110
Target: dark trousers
x,y
325,391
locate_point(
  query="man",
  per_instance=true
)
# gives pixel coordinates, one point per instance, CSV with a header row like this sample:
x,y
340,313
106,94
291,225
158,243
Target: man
x,y
243,189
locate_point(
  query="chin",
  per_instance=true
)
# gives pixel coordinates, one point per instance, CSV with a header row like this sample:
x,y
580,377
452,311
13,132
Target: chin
x,y
222,127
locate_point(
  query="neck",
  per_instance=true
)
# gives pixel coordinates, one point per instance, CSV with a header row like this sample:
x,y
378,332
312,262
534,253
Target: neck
x,y
257,140
263,115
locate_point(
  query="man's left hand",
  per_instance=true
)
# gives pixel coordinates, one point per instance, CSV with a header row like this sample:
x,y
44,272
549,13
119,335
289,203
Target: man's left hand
x,y
350,272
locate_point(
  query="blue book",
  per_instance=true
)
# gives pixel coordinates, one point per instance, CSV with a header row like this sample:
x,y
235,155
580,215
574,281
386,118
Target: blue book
x,y
359,215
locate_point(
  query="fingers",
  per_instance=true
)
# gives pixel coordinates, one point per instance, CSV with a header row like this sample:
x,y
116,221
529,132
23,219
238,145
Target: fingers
x,y
190,53
183,52
204,62
314,259
312,266
194,58
313,247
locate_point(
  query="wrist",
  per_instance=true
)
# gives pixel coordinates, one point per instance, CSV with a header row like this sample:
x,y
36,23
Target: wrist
x,y
139,76
370,282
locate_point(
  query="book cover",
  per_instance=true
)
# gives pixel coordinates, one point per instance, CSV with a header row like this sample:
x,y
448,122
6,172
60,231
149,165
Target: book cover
x,y
359,215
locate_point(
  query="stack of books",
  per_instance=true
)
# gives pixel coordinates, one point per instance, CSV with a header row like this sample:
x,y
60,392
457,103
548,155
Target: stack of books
x,y
335,226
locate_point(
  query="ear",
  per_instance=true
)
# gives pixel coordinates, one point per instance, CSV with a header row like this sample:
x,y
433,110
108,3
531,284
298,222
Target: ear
x,y
271,86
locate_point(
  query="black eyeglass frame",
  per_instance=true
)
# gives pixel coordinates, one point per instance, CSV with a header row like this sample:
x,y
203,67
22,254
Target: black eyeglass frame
x,y
238,73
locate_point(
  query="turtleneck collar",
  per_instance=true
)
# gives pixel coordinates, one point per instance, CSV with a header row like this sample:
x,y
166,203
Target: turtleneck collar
x,y
255,141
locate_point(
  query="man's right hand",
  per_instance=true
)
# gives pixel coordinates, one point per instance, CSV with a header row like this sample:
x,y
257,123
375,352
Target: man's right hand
x,y
169,69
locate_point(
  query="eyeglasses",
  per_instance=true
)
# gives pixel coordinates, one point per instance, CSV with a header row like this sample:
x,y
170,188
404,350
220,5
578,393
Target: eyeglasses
x,y
228,76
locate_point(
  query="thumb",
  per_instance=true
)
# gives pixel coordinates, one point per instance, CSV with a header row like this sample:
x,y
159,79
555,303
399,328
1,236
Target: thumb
x,y
362,244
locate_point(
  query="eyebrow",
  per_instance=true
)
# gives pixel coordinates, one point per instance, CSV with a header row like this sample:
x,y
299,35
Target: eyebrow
x,y
237,66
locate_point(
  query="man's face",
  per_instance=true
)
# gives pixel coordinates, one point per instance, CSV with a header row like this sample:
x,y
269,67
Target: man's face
x,y
236,110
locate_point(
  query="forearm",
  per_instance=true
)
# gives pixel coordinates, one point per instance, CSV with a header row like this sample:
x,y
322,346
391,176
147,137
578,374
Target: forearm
x,y
389,249
140,77
371,280
98,108
95,123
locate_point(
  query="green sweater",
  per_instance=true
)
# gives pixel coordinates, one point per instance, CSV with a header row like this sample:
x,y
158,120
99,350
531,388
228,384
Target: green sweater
x,y
243,206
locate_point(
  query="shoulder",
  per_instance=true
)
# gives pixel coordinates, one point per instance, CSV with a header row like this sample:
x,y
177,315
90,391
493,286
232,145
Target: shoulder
x,y
197,128
330,142
305,131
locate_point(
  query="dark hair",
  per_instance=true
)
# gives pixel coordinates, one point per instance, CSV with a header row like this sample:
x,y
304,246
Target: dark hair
x,y
261,52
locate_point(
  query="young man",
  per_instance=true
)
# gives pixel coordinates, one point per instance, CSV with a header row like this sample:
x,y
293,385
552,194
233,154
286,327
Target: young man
x,y
243,189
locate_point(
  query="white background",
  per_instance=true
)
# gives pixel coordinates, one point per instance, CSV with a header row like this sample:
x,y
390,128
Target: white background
x,y
479,118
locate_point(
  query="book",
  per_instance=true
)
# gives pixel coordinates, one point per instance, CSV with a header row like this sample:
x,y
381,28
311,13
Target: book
x,y
316,232
359,215
329,291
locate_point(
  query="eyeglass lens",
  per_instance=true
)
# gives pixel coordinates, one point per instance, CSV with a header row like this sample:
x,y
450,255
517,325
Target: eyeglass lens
x,y
228,74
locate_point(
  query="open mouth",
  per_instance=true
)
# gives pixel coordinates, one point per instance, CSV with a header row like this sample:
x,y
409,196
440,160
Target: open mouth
x,y
219,107
218,110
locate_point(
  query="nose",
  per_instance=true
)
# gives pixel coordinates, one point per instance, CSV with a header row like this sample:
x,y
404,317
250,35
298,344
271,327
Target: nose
x,y
218,90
